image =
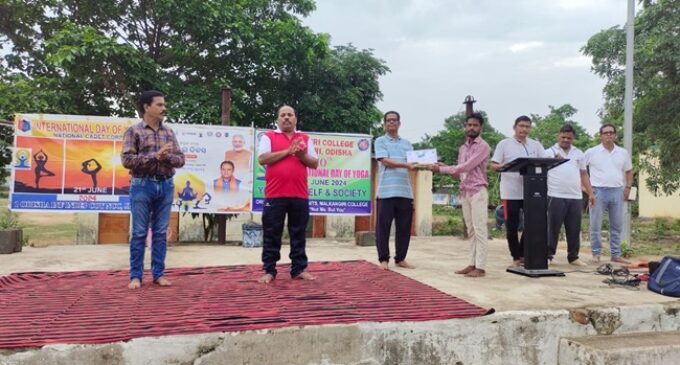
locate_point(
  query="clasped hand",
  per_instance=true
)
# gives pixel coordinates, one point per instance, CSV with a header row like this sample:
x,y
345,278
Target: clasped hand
x,y
163,153
297,147
437,167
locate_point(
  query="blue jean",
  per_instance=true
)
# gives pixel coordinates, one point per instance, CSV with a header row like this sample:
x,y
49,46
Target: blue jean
x,y
610,199
150,203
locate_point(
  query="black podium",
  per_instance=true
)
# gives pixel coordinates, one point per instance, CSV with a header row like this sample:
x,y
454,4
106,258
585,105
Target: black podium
x,y
535,174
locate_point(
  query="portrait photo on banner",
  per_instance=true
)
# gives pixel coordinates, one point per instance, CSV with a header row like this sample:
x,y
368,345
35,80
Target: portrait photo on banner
x,y
217,176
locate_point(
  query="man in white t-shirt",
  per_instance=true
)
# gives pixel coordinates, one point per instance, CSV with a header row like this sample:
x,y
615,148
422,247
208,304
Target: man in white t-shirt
x,y
512,184
611,175
565,194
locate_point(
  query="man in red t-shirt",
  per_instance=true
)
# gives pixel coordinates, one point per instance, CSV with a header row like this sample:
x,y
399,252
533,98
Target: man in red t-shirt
x,y
286,154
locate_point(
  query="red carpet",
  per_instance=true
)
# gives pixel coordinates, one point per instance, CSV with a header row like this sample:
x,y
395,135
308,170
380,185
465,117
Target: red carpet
x,y
96,307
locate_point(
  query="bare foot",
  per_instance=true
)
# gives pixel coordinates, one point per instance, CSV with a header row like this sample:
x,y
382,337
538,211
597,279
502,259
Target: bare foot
x,y
385,265
578,262
476,273
306,276
465,270
135,284
620,260
162,281
405,265
516,263
266,279
595,260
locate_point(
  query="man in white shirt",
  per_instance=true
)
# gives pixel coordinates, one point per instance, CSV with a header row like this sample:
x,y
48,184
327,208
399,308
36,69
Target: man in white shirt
x,y
564,195
512,183
611,175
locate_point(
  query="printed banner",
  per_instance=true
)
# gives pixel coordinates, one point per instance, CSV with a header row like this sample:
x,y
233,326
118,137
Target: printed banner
x,y
342,182
217,176
72,163
69,163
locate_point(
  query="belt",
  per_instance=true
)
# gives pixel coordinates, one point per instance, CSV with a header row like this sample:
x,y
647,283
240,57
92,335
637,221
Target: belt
x,y
153,177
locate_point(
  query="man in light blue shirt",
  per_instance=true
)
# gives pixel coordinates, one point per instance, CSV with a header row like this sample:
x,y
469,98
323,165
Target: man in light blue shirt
x,y
394,195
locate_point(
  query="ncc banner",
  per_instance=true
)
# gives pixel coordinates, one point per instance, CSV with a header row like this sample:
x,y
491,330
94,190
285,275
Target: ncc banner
x,y
342,183
72,163
69,163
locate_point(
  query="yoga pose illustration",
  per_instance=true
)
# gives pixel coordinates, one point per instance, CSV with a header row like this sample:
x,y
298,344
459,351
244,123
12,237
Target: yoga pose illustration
x,y
92,167
185,196
41,171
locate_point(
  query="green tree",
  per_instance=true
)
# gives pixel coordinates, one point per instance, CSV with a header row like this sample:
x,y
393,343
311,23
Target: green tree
x,y
546,128
92,57
656,120
6,141
18,92
96,57
340,95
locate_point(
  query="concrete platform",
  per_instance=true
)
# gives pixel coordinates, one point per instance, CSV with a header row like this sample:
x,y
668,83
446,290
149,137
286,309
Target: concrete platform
x,y
435,258
658,348
533,315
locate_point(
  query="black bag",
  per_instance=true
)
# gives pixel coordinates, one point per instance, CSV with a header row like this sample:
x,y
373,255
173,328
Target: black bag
x,y
666,278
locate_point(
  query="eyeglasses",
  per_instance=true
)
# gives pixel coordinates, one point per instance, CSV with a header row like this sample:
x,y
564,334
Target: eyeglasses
x,y
608,133
392,121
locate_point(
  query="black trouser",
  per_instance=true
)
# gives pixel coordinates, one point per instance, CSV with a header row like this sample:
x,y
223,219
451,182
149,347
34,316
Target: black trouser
x,y
567,212
512,216
273,217
401,211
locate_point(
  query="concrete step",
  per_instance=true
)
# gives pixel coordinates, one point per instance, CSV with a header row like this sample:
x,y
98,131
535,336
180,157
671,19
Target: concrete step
x,y
653,348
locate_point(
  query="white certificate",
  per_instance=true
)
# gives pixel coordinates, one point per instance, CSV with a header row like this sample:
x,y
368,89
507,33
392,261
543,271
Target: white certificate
x,y
422,156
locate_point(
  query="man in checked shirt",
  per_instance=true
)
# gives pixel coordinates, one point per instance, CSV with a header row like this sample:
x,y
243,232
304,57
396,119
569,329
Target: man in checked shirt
x,y
471,170
151,153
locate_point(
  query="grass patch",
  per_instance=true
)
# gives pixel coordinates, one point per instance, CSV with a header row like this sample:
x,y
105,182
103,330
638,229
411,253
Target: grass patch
x,y
54,234
651,236
45,228
448,221
656,236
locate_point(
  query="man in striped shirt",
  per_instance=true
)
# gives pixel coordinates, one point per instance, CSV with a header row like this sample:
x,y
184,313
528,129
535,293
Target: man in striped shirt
x,y
471,170
395,196
151,153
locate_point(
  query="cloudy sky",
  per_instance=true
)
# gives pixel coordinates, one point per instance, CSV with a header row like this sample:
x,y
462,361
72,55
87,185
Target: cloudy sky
x,y
514,56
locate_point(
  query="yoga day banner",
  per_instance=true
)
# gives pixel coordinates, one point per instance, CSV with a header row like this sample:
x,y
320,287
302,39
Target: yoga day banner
x,y
72,163
342,183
